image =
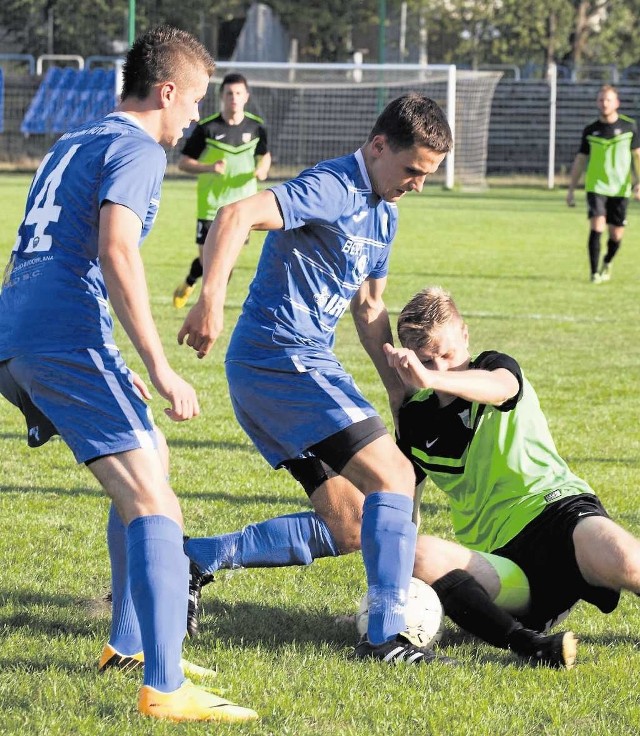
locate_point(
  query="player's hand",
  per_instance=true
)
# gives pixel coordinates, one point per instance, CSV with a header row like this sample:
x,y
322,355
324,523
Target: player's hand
x,y
201,329
408,366
219,167
180,394
571,199
636,191
140,385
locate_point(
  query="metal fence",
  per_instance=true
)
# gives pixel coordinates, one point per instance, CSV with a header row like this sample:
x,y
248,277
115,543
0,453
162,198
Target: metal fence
x,y
518,138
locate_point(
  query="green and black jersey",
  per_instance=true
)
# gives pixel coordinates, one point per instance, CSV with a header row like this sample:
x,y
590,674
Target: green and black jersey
x,y
214,139
498,465
609,146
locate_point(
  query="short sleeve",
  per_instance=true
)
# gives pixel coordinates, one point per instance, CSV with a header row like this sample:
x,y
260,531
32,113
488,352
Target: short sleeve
x,y
584,143
262,147
195,143
492,360
132,174
315,196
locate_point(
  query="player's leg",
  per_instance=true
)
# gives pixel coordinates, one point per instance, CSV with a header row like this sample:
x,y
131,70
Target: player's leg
x,y
616,220
331,529
596,204
608,555
124,458
481,593
388,534
185,289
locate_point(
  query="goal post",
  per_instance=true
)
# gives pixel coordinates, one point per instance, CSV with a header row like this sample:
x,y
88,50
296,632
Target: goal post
x,y
315,112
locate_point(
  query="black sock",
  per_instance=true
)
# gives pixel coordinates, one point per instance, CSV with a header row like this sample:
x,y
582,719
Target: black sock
x,y
612,248
195,272
594,250
468,604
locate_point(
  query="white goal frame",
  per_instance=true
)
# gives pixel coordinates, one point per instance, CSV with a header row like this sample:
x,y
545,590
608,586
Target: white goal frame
x,y
286,74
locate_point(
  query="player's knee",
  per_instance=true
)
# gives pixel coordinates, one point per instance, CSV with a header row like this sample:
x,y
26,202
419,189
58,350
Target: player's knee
x,y
345,524
431,560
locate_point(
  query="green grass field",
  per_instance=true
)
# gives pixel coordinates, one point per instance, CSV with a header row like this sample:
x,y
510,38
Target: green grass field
x,y
515,259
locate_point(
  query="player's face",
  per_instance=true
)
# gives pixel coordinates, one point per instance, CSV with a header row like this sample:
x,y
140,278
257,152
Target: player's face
x,y
234,97
181,106
393,173
608,103
449,349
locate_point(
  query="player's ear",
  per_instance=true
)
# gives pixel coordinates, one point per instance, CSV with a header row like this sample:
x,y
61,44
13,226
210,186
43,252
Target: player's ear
x,y
378,144
168,91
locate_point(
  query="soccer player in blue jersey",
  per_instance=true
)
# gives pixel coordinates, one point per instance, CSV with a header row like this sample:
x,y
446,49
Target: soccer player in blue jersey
x,y
92,201
328,248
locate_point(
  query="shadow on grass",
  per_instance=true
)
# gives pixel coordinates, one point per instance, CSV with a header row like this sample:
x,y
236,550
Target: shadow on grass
x,y
53,490
48,614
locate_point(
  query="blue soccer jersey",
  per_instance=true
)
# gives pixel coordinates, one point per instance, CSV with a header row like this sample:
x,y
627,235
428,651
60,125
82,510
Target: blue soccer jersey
x,y
54,296
337,233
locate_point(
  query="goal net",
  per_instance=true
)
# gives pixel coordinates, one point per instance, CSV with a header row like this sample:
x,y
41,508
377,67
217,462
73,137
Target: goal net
x,y
319,111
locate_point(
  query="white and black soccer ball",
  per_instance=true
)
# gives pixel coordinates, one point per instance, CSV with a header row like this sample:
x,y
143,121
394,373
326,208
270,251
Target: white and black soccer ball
x,y
424,616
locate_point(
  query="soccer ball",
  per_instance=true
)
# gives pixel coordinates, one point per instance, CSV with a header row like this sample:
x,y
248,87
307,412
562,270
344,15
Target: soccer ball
x,y
424,616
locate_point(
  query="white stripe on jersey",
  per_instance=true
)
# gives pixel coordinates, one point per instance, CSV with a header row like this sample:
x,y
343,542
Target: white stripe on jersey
x,y
354,412
142,434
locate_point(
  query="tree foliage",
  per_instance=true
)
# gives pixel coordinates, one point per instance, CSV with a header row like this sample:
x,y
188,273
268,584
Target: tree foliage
x,y
475,32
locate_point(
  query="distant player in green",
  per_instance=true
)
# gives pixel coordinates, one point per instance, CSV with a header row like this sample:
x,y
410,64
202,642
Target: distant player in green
x,y
609,150
228,151
531,537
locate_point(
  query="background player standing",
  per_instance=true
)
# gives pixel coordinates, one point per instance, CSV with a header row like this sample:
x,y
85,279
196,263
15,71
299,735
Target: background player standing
x,y
94,198
328,249
610,152
228,151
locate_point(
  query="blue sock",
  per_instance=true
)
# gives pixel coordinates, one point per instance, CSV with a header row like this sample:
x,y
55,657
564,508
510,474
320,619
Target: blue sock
x,y
125,631
388,551
159,570
296,539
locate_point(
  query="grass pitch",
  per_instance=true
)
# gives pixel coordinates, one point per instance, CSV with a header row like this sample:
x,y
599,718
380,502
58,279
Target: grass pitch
x,y
516,261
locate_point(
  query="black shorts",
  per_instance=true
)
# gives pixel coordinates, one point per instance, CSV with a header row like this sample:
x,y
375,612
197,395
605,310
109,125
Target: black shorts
x,y
202,228
328,457
614,208
545,552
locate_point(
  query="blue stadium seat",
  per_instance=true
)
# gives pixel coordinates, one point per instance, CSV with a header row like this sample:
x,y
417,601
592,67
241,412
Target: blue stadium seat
x,y
69,97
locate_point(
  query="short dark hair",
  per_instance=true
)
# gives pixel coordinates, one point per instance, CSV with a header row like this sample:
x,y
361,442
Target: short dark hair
x,y
161,54
234,78
414,120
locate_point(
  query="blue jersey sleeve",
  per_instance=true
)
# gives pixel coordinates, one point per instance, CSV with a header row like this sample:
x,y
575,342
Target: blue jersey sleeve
x,y
381,267
313,196
132,176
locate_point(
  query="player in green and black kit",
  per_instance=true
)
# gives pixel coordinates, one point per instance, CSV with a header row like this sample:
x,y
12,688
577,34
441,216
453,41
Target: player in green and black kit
x,y
229,153
531,537
609,147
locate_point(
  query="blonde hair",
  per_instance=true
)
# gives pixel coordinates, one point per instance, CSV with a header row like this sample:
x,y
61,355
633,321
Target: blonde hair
x,y
423,316
608,88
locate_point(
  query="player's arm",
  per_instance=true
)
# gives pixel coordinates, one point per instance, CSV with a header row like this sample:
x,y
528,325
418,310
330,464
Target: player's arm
x,y
577,169
263,164
223,244
193,166
635,154
485,387
374,330
123,272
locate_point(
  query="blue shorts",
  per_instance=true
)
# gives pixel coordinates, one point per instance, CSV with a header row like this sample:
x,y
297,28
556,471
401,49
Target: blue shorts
x,y
86,396
287,403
